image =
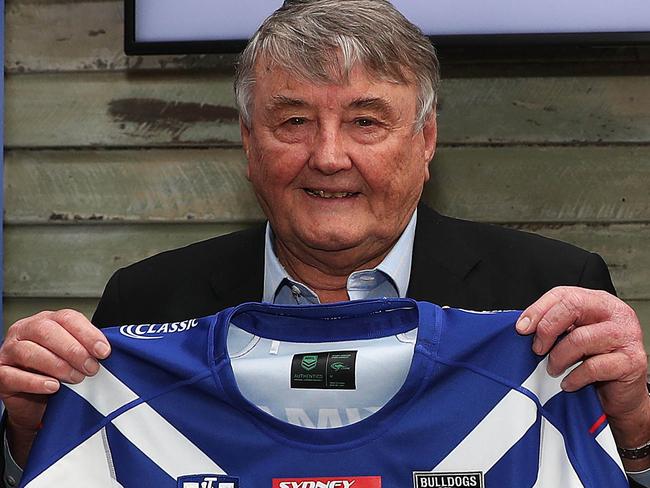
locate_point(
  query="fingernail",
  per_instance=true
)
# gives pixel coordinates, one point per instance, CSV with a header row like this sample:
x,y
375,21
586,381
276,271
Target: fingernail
x,y
523,325
563,384
537,346
76,377
51,385
91,366
101,349
553,373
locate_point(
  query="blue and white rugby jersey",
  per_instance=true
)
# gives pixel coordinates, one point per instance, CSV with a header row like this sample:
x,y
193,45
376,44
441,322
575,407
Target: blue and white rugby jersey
x,y
383,393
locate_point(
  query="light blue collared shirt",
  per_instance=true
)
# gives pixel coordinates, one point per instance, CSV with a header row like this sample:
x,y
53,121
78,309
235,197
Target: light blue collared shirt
x,y
389,279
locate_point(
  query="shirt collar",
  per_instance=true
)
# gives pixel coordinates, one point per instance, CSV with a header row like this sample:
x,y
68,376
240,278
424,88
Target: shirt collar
x,y
396,265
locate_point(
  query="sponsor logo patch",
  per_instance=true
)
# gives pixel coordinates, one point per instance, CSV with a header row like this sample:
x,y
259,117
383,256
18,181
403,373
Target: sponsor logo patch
x,y
207,481
424,479
340,482
156,331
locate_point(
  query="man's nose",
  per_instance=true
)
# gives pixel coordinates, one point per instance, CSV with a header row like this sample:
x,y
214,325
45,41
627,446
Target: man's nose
x,y
329,153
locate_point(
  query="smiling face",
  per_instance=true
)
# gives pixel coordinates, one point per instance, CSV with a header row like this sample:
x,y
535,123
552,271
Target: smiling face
x,y
336,167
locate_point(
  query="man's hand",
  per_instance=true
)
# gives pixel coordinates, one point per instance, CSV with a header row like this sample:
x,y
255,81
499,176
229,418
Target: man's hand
x,y
38,352
604,333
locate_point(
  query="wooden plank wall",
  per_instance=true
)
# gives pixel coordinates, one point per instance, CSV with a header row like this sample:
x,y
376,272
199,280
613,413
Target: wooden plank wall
x,y
111,158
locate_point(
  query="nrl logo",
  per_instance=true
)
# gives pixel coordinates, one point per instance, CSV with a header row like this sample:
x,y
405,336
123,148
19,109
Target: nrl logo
x,y
309,362
155,331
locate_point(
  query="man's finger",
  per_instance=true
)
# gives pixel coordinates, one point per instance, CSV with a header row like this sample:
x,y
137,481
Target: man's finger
x,y
15,380
586,306
35,358
615,366
90,337
590,340
50,335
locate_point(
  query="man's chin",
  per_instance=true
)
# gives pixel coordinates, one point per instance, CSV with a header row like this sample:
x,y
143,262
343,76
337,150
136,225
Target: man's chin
x,y
333,241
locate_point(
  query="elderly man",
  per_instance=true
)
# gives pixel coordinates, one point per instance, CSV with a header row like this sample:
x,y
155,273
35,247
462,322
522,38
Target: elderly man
x,y
337,102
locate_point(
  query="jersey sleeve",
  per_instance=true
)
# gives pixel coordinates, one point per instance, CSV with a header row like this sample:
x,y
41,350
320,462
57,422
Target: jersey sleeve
x,y
560,438
71,449
575,427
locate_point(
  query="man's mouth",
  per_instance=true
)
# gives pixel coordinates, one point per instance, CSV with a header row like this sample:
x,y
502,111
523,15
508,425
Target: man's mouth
x,y
328,194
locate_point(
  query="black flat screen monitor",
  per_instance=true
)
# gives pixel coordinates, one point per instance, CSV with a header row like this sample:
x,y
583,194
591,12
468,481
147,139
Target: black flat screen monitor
x,y
223,26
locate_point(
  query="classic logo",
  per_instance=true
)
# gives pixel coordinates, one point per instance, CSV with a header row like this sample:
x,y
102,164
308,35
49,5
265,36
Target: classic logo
x,y
342,482
155,331
207,481
309,362
426,479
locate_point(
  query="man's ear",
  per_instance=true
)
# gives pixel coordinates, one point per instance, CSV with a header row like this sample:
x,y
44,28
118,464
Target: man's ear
x,y
245,132
430,134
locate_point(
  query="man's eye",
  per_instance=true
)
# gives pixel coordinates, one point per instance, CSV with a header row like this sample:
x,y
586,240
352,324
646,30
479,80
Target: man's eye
x,y
296,121
364,122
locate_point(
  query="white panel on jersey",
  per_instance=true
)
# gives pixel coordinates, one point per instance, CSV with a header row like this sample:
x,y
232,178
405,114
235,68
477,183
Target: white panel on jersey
x,y
146,428
555,468
515,410
543,385
87,465
606,441
94,388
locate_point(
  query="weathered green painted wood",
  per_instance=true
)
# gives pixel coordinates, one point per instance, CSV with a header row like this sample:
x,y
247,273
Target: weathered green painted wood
x,y
500,184
624,247
81,35
119,109
158,109
76,260
18,308
542,184
642,309
207,185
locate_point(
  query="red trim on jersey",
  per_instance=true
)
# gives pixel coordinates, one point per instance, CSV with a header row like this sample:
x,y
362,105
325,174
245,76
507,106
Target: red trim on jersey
x,y
601,420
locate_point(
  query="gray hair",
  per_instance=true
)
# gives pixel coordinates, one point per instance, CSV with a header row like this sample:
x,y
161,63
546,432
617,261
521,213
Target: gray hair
x,y
321,41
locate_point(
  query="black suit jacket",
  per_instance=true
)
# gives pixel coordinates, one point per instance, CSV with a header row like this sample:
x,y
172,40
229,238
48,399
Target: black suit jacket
x,y
455,262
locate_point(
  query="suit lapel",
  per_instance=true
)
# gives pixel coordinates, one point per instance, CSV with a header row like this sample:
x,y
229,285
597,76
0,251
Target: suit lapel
x,y
240,274
441,261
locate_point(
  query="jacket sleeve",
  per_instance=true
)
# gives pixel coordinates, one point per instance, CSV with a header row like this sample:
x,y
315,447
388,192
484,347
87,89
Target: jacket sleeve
x,y
595,275
109,312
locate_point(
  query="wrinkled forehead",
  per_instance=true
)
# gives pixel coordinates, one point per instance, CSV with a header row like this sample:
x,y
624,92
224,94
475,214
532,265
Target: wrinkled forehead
x,y
331,68
278,90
